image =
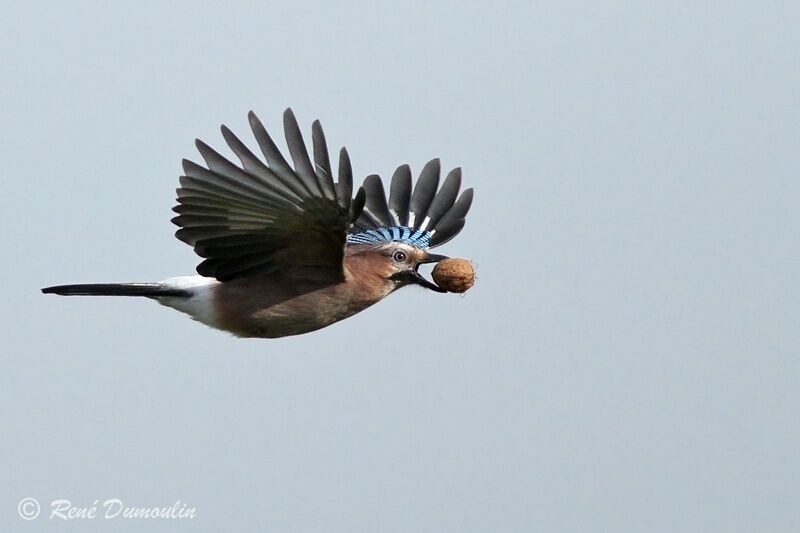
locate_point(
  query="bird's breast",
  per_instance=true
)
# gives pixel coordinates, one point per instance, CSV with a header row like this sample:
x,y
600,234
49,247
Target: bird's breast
x,y
272,307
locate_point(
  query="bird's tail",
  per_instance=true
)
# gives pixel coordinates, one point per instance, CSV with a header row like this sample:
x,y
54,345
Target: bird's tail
x,y
116,289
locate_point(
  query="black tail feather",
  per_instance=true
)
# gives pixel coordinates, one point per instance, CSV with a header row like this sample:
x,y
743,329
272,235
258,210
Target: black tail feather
x,y
116,289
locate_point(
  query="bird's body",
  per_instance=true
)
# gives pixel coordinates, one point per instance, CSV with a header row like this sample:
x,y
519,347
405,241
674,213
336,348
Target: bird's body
x,y
288,251
268,307
276,305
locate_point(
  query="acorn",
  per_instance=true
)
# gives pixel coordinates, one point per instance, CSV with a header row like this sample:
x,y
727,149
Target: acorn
x,y
454,275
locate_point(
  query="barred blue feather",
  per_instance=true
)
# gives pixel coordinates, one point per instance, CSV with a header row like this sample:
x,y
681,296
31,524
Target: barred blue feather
x,y
418,238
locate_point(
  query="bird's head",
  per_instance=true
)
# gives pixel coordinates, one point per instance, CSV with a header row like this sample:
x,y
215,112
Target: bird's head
x,y
389,238
396,263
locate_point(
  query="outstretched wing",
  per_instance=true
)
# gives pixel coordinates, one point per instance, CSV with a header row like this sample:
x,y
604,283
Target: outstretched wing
x,y
423,216
263,216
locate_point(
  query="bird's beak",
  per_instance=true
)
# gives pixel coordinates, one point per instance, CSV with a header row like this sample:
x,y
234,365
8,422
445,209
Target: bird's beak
x,y
413,276
434,258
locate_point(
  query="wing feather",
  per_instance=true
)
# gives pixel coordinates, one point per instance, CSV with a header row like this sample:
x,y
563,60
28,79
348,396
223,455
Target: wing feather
x,y
453,221
445,198
423,193
376,204
297,149
400,194
264,217
423,216
344,188
322,163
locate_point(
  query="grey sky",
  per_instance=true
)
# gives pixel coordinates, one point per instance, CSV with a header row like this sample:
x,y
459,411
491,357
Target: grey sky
x,y
627,360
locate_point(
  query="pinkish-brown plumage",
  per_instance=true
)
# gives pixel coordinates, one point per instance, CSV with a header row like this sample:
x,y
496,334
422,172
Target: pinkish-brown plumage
x,y
288,251
278,305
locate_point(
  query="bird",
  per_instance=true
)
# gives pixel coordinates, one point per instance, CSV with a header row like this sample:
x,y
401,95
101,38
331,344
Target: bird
x,y
286,250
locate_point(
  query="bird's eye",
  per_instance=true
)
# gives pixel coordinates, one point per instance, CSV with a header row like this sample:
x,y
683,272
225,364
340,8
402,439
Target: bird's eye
x,y
399,256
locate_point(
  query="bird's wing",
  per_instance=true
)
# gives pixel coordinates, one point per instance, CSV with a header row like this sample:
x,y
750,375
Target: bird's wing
x,y
265,216
426,216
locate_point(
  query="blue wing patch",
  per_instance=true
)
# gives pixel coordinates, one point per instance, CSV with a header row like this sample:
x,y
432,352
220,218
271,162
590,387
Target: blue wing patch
x,y
419,238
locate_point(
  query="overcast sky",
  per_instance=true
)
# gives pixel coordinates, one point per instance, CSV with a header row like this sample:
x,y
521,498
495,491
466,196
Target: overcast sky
x,y
627,360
